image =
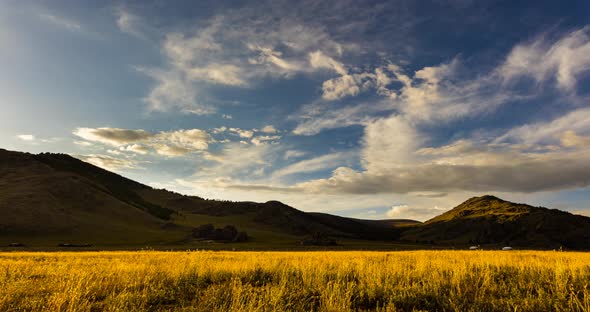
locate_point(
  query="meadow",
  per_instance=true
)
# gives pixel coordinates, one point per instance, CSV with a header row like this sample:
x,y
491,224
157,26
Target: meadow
x,y
295,281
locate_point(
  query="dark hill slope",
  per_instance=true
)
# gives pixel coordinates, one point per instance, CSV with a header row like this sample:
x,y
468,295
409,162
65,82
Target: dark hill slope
x,y
490,220
56,195
37,197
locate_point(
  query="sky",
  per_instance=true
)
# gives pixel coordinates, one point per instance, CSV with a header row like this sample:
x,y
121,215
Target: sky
x,y
366,109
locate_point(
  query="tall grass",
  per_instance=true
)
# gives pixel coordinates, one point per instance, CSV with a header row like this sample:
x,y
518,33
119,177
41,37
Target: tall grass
x,y
295,281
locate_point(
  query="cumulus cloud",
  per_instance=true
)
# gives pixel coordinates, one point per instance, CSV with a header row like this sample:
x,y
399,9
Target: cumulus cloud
x,y
396,161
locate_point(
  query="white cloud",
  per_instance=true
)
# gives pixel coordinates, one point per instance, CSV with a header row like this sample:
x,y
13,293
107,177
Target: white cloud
x,y
129,23
242,132
264,139
26,137
224,74
269,129
317,117
413,213
294,154
173,91
236,49
340,87
565,59
83,143
61,21
238,160
167,143
318,59
109,163
570,139
274,58
549,132
112,136
323,162
135,148
396,161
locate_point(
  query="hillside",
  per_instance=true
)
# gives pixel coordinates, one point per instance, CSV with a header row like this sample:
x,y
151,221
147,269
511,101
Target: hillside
x,y
47,199
51,198
488,220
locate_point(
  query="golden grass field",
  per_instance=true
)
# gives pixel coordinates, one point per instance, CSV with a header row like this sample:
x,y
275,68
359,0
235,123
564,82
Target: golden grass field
x,y
295,281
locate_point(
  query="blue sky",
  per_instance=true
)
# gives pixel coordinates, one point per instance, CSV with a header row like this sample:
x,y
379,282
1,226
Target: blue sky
x,y
372,109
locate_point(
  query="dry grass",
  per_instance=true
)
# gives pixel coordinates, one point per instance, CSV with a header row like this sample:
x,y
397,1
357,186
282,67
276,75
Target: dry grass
x,y
295,281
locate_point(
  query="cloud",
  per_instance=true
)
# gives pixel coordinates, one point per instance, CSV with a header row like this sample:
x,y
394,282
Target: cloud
x,y
61,21
109,163
413,213
174,91
570,139
26,137
264,139
136,148
167,143
129,23
112,136
239,48
565,60
340,87
317,117
269,129
242,132
294,154
83,143
323,162
224,74
395,160
549,132
236,160
318,59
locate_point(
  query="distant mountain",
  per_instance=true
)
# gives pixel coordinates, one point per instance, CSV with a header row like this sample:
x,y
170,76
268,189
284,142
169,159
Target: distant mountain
x,y
488,220
51,198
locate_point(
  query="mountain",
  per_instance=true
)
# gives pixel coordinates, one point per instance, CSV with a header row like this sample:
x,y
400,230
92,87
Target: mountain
x,y
46,199
488,220
51,198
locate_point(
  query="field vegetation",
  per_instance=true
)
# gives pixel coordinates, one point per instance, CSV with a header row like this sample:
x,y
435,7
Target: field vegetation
x,y
295,281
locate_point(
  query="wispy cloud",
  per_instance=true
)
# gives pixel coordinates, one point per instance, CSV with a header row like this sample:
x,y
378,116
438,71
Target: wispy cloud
x,y
61,21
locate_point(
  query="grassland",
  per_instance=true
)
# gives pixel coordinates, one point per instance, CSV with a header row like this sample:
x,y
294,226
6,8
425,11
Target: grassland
x,y
295,281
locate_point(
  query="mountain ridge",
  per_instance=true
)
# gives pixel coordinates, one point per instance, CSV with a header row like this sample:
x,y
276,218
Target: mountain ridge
x,y
59,197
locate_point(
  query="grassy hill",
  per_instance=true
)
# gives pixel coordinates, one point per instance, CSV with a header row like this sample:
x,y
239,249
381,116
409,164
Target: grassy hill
x,y
488,220
47,198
